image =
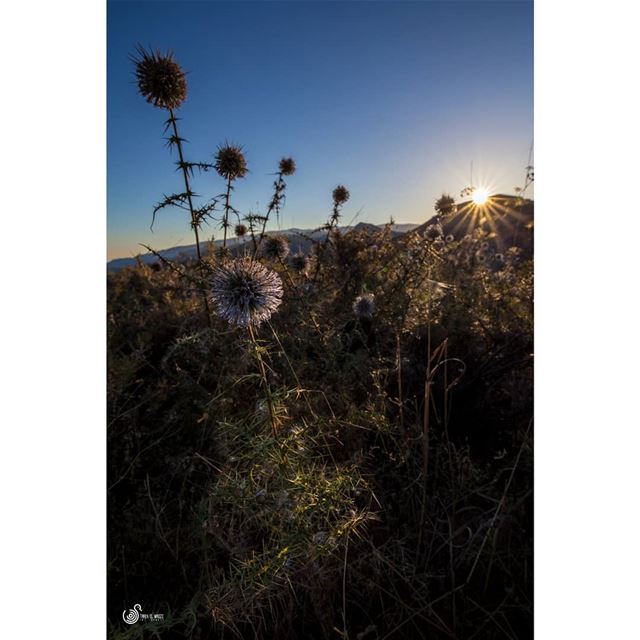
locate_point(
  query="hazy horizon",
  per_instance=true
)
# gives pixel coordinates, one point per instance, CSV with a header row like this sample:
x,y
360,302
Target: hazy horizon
x,y
394,100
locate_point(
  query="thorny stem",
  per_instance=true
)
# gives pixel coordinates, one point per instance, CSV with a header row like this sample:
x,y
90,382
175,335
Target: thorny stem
x,y
265,382
226,212
194,219
274,204
335,216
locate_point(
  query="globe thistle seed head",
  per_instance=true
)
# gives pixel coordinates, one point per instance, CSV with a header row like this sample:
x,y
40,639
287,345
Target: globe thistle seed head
x,y
275,247
364,306
445,205
240,230
433,231
161,80
245,292
449,238
299,262
230,162
287,166
340,195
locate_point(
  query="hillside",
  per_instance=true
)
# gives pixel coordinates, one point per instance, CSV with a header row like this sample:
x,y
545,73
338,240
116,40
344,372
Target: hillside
x,y
300,240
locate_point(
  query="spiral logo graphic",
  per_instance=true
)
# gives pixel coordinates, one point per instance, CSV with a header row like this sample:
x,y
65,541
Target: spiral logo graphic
x,y
133,615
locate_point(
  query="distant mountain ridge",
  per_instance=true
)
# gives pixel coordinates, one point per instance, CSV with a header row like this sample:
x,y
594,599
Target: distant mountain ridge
x,y
299,239
509,219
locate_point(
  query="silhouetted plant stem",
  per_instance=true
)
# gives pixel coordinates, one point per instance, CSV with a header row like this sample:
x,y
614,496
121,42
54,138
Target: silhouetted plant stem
x,y
274,204
194,218
227,207
265,381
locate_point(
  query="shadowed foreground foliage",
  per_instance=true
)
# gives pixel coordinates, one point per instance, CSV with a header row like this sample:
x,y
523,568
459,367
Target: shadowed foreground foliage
x,y
394,499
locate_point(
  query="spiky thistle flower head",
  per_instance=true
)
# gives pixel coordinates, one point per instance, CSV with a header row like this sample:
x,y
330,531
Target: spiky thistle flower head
x,y
364,306
245,292
230,162
340,195
275,247
299,262
445,204
287,166
433,231
161,80
240,230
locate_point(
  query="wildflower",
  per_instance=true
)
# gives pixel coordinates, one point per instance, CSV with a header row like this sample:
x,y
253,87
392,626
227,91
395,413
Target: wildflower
x,y
240,230
275,247
230,162
299,262
340,195
245,292
287,166
161,80
433,231
364,305
445,205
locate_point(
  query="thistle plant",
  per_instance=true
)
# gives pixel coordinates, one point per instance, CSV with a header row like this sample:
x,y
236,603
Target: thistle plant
x,y
445,205
287,167
276,247
162,82
299,262
246,294
340,196
433,232
231,165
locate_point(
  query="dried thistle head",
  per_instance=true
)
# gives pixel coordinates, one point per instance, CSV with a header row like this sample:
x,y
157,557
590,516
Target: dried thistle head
x,y
340,195
230,162
433,232
445,204
240,230
364,306
161,80
299,262
287,166
245,292
449,238
275,247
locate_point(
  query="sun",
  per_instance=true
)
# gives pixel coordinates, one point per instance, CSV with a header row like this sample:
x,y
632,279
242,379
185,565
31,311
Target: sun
x,y
480,196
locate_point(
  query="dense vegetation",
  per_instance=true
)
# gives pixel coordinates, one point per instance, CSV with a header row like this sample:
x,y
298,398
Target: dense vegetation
x,y
393,499
321,446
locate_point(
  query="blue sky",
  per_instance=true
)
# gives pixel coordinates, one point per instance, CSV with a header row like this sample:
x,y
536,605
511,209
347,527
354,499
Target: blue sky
x,y
393,99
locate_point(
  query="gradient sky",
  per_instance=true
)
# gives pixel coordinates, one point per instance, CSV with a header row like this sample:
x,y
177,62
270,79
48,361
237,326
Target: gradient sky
x,y
393,99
